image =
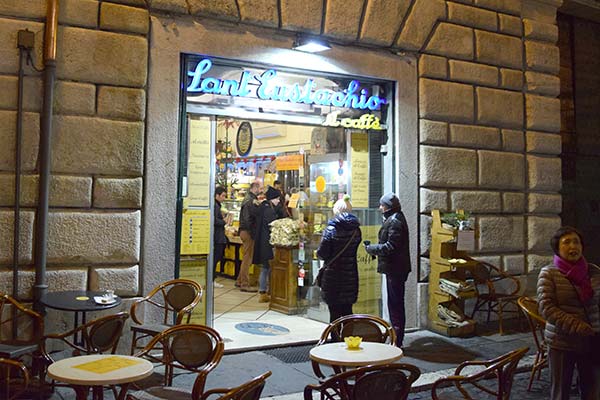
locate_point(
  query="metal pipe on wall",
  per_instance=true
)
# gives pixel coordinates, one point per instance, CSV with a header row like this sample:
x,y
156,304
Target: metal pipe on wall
x,y
41,233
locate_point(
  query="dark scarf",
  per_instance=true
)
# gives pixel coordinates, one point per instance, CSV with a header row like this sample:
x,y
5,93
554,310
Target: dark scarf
x,y
578,275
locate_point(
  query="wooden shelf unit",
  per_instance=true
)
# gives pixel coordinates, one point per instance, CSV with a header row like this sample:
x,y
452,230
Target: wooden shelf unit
x,y
443,248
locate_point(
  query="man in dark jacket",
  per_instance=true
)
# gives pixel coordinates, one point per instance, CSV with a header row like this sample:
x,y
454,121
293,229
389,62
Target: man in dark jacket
x,y
247,231
220,240
393,259
263,251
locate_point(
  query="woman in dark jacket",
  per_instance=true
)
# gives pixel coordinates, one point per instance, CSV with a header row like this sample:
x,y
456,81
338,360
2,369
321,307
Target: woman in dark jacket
x,y
341,238
263,251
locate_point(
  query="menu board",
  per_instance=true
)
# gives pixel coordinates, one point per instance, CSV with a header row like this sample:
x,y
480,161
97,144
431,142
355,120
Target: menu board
x,y
289,162
359,165
194,268
195,232
199,163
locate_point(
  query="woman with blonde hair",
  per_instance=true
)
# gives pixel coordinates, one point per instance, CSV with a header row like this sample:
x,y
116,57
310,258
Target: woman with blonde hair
x,y
340,241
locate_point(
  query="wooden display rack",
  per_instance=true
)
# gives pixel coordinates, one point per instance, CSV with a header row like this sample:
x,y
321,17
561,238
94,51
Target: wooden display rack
x,y
443,248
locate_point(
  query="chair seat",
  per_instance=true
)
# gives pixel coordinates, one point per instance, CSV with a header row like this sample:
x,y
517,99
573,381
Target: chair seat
x,y
159,393
150,329
16,351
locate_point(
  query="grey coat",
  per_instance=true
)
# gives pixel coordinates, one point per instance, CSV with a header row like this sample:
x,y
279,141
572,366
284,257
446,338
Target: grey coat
x,y
564,312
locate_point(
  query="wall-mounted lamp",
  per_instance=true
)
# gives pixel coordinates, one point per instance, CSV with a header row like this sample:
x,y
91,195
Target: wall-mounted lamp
x,y
310,45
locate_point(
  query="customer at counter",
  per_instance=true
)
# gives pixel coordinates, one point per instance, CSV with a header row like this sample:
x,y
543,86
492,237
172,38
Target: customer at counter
x,y
263,251
341,238
247,230
220,240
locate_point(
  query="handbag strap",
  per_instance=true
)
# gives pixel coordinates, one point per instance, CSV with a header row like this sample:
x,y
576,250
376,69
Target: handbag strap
x,y
344,248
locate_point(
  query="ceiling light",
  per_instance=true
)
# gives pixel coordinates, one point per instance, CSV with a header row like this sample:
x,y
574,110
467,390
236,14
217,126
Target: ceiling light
x,y
310,45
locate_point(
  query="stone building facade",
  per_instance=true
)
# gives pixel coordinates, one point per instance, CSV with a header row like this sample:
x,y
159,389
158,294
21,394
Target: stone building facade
x,y
487,138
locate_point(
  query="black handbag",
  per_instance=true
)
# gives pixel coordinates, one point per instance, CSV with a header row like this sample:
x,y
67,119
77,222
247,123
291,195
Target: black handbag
x,y
319,277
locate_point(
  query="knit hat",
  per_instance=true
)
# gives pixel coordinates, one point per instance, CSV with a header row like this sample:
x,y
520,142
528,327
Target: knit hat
x,y
342,205
272,193
390,200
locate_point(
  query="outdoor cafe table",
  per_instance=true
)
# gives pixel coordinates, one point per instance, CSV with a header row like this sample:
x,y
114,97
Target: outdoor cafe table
x,y
369,353
99,370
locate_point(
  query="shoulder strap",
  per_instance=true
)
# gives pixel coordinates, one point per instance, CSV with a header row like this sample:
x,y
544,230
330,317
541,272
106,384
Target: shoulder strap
x,y
344,248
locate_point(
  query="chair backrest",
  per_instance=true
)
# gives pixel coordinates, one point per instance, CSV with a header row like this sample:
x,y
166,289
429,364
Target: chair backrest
x,y
371,328
177,296
484,273
14,379
97,336
250,390
505,369
19,325
380,382
195,348
536,322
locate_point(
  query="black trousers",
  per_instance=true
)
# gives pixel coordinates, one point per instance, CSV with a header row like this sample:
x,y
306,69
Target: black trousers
x,y
395,292
338,310
218,256
562,365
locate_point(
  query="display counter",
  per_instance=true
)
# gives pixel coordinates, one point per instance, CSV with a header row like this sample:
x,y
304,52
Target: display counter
x,y
284,280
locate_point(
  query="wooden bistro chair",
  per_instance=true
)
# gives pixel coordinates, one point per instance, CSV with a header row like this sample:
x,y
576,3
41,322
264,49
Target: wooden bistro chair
x,y
174,299
502,368
21,331
500,289
98,336
14,379
190,347
371,328
250,390
374,382
537,323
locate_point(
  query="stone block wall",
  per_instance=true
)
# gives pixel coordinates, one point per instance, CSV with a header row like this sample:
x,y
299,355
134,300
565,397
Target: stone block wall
x,y
97,145
488,120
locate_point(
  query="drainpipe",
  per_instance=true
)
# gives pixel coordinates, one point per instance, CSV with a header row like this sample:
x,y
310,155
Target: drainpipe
x,y
41,231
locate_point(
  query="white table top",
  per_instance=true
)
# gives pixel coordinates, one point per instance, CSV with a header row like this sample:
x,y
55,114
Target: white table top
x,y
66,370
337,354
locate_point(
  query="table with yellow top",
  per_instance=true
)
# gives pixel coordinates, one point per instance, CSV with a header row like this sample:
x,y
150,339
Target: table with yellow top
x,y
98,370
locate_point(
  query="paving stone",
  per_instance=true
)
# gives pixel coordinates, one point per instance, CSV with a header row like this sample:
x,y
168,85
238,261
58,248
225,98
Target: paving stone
x,y
123,280
501,233
543,143
115,17
32,93
431,66
510,25
302,16
511,79
498,49
381,20
536,30
478,74
74,98
30,141
480,137
472,16
476,201
20,8
82,13
447,167
223,9
433,200
542,57
433,132
542,83
513,140
507,6
544,173
513,202
541,203
118,193
260,12
7,222
543,113
9,54
174,6
120,102
420,22
540,231
501,108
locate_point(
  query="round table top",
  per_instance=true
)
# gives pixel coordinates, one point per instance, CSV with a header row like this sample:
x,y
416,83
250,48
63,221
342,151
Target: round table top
x,y
100,369
337,354
76,300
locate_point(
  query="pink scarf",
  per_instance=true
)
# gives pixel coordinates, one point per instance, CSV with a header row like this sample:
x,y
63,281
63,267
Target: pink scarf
x,y
578,275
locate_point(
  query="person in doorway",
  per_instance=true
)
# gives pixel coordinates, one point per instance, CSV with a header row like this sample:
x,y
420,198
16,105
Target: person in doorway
x,y
568,294
341,238
247,231
393,259
281,209
220,240
263,251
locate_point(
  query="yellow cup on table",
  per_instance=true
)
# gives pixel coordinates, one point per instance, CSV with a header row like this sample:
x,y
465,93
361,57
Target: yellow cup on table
x,y
353,342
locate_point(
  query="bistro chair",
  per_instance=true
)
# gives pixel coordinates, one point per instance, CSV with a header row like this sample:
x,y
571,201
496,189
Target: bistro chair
x,y
369,327
174,299
537,323
250,390
374,382
14,379
98,336
495,289
193,348
21,330
502,368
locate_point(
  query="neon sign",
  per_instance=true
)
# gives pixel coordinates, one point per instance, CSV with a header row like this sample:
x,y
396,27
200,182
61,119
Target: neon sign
x,y
269,89
365,121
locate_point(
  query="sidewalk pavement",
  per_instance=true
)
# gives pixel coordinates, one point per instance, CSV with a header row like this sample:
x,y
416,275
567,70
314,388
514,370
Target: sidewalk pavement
x,y
434,354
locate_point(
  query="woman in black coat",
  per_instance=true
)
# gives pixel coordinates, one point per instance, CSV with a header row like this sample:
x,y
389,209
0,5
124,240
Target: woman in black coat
x,y
339,284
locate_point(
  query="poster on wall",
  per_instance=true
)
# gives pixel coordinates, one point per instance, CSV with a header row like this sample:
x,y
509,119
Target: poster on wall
x,y
369,288
359,166
195,232
194,268
199,163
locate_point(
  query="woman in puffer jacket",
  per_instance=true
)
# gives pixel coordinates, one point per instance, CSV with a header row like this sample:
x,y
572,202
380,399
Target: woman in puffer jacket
x,y
339,284
568,295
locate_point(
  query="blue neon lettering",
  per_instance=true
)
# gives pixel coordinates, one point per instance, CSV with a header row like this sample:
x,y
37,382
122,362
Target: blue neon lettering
x,y
350,97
